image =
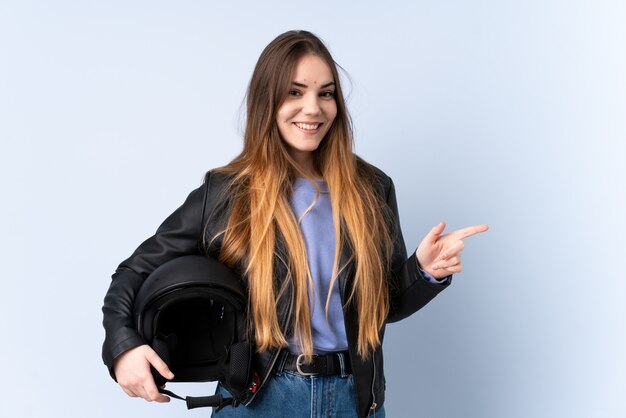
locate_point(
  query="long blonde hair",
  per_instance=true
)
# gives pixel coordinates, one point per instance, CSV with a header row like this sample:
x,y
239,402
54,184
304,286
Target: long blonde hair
x,y
260,191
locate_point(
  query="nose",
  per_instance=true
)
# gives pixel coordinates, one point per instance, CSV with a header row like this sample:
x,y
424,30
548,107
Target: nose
x,y
311,105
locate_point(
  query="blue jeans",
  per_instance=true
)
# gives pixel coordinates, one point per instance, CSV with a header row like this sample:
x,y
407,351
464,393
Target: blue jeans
x,y
291,395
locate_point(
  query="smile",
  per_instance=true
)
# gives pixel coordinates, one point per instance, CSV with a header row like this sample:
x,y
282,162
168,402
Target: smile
x,y
307,126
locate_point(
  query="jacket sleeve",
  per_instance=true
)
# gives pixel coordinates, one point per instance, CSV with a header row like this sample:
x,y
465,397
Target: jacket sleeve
x,y
409,289
180,234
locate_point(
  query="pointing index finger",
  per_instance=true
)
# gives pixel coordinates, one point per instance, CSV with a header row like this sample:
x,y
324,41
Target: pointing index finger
x,y
469,231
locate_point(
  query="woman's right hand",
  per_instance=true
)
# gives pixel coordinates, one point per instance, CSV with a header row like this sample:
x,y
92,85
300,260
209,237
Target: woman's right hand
x,y
132,372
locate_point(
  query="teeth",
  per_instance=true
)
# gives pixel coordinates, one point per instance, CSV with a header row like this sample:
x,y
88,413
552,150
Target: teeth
x,y
307,126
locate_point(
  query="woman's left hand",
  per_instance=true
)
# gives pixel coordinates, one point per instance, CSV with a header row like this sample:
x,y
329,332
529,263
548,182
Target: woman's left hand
x,y
440,255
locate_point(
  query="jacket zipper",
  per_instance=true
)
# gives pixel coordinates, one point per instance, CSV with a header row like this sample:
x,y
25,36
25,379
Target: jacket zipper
x,y
278,351
374,404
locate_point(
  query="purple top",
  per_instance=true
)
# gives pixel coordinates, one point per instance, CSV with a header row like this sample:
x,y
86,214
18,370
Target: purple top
x,y
318,232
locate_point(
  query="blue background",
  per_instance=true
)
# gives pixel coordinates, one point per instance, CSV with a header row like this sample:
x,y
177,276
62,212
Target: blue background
x,y
500,112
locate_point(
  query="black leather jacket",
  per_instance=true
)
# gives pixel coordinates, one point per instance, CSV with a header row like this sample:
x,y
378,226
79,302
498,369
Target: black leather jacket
x,y
206,210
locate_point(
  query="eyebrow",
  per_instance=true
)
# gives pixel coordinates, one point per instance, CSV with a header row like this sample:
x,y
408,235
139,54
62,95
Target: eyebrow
x,y
295,83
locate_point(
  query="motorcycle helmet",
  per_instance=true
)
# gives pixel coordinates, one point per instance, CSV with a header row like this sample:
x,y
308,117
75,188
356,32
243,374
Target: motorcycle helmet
x,y
191,311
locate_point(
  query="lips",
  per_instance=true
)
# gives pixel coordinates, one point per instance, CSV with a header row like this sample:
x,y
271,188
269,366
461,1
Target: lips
x,y
308,126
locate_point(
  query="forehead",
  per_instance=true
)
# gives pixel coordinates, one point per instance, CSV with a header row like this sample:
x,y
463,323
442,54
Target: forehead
x,y
312,69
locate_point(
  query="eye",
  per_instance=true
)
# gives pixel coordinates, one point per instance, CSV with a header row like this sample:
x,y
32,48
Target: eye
x,y
294,93
327,94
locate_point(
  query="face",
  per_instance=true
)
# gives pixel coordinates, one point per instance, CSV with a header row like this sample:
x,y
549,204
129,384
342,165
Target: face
x,y
309,110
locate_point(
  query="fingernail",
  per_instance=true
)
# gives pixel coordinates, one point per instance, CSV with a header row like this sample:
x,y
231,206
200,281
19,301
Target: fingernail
x,y
170,375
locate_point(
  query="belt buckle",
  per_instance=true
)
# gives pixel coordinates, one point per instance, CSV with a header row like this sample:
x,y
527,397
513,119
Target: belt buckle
x,y
299,363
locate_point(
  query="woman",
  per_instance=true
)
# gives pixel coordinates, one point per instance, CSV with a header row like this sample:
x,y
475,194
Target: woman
x,y
314,232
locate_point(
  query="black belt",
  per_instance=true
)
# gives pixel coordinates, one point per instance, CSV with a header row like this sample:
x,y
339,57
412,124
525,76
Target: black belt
x,y
327,364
